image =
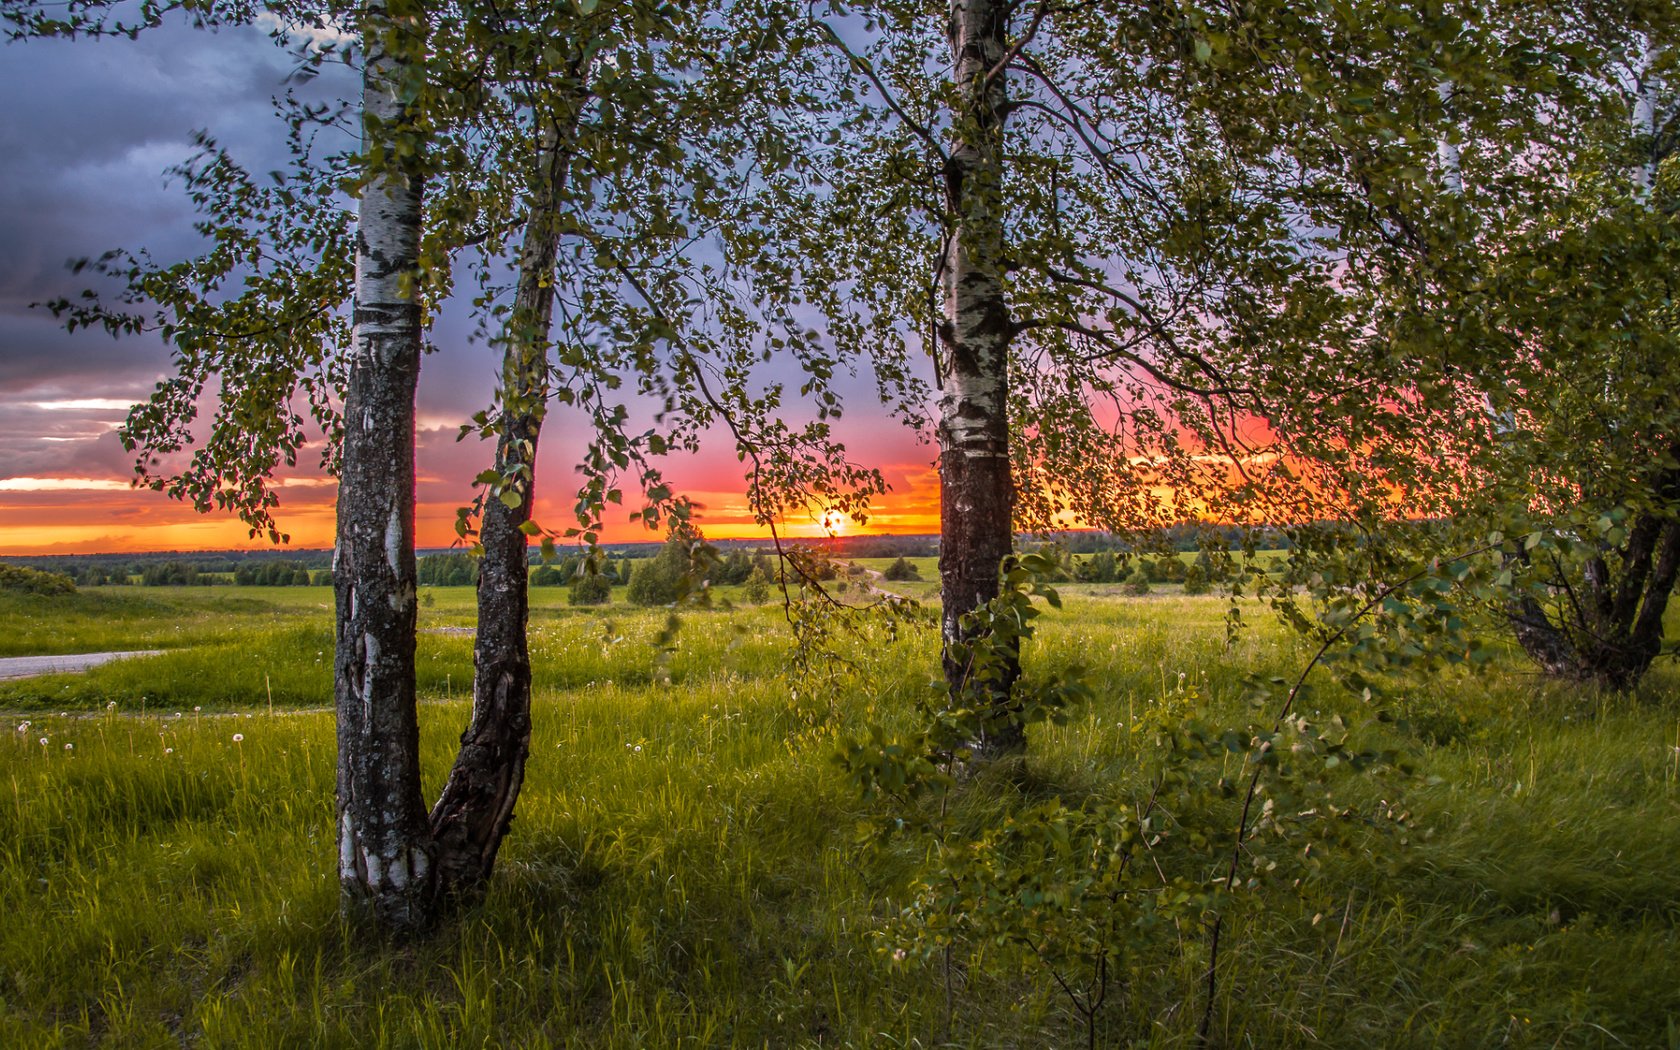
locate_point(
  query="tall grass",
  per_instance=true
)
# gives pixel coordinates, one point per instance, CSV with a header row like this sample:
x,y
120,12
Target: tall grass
x,y
686,867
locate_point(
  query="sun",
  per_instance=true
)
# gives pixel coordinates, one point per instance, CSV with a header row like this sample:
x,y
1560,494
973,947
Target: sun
x,y
834,524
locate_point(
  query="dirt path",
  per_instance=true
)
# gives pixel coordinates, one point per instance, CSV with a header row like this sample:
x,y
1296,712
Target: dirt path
x,y
30,666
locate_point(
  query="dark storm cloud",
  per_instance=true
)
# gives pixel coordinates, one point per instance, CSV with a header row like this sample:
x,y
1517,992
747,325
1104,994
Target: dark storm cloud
x,y
91,127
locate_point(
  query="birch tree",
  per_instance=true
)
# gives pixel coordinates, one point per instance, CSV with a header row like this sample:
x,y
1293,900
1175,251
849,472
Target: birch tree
x,y
1032,197
386,858
600,131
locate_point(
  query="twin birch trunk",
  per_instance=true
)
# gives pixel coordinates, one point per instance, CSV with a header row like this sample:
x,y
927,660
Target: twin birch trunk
x,y
976,492
393,861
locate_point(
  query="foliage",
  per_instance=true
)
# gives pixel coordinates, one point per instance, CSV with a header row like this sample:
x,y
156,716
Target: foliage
x,y
901,571
757,587
733,569
678,570
1138,582
169,574
34,581
590,589
1095,893
273,574
1196,579
447,570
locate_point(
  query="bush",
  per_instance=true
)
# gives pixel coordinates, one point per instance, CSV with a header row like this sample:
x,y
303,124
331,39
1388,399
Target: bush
x,y
1101,567
1138,582
34,581
1166,569
758,586
1196,580
547,576
901,571
593,589
657,581
734,569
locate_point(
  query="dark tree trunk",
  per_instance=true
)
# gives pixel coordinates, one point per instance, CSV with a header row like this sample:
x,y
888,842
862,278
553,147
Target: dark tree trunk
x,y
1610,632
473,813
384,860
976,491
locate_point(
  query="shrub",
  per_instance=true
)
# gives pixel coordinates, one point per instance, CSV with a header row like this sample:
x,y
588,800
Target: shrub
x,y
34,581
902,571
1138,582
658,581
593,589
758,586
1196,580
547,576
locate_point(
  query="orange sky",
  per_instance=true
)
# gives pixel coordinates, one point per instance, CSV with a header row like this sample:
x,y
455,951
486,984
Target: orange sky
x,y
96,511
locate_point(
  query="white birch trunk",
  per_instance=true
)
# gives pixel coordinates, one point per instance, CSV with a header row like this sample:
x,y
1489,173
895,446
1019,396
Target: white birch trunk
x,y
1645,119
384,859
976,491
1446,149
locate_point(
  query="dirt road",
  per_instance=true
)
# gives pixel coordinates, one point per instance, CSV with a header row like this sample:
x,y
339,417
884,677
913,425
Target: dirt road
x,y
29,666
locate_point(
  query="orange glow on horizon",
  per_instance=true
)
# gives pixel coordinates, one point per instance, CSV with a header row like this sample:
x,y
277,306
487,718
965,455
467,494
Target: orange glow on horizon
x,y
101,518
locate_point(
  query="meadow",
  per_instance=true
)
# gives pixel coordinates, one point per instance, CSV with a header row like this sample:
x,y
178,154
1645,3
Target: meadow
x,y
690,866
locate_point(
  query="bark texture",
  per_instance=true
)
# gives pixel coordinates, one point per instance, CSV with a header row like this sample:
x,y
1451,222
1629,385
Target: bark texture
x,y
473,813
1607,628
976,492
385,856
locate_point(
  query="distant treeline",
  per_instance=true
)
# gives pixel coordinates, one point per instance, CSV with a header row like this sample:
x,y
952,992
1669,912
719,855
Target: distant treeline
x,y
455,568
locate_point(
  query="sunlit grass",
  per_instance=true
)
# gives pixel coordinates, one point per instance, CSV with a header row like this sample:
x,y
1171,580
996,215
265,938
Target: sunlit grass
x,y
685,869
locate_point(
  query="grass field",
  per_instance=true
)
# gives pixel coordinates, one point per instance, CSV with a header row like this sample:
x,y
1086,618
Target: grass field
x,y
686,869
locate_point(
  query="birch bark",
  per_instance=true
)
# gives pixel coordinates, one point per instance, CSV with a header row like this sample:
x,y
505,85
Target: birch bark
x,y
472,814
976,493
385,856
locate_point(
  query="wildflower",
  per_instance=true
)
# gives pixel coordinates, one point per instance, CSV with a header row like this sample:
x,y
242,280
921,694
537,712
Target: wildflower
x,y
638,747
237,737
69,747
43,741
111,705
197,708
24,726
169,751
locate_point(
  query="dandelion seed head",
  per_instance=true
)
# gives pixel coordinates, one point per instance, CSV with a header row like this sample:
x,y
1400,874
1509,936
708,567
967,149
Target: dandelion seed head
x,y
69,747
237,737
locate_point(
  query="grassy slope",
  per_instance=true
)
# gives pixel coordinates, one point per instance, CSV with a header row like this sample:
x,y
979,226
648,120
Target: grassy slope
x,y
685,869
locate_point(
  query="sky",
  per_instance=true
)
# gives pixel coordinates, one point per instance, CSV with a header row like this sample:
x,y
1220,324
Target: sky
x,y
89,130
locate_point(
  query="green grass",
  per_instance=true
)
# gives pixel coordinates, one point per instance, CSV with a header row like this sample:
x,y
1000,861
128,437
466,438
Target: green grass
x,y
685,869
